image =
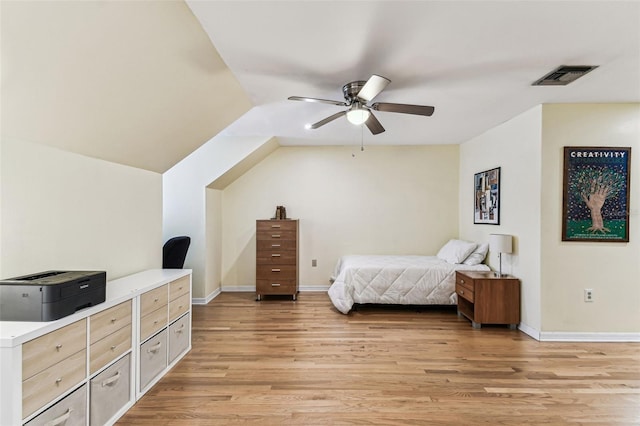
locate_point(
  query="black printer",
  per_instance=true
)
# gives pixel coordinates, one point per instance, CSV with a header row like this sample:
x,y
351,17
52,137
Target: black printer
x,y
50,295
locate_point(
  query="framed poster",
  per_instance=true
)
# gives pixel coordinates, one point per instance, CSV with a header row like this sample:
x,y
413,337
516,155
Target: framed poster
x,y
487,197
595,197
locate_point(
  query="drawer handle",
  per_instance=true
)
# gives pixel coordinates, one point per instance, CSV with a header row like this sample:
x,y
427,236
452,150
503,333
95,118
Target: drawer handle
x,y
275,245
58,347
155,348
60,420
275,235
275,270
113,347
178,331
155,300
111,380
462,281
58,381
113,320
275,226
155,322
275,284
461,291
275,255
179,307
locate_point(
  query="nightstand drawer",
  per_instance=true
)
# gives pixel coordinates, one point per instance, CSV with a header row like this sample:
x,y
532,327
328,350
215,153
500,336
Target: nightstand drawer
x,y
464,292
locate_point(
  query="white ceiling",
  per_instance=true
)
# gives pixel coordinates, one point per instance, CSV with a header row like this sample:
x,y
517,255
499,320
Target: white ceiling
x,y
473,60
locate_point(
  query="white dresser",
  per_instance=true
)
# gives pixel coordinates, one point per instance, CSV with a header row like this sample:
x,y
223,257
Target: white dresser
x,y
90,367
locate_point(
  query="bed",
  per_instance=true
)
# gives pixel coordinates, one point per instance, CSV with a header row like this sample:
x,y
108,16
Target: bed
x,y
404,280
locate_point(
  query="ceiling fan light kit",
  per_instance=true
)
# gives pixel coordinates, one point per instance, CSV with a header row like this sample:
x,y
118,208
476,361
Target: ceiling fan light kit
x,y
357,95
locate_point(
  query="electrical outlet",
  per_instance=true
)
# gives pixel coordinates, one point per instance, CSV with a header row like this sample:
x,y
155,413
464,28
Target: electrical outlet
x,y
314,262
588,295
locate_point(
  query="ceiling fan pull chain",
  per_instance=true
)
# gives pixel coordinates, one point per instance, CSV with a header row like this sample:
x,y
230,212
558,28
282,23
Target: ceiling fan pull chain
x,y
361,137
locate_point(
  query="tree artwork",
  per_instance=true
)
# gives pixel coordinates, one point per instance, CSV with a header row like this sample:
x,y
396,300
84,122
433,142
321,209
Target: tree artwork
x,y
596,194
594,186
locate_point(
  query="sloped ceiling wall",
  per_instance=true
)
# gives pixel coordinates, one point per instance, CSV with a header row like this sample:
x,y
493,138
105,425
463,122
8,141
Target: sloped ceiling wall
x,y
136,83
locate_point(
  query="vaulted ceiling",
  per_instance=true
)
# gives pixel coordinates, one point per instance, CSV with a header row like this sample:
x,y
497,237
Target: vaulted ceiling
x,y
136,83
473,60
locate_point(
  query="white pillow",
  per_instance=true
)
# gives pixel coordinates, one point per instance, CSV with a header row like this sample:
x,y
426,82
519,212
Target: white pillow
x,y
478,255
456,251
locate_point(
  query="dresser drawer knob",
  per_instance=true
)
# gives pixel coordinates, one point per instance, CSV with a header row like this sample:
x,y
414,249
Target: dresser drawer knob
x,y
58,347
275,284
58,380
275,226
155,300
461,291
62,419
275,270
113,320
113,348
462,281
275,245
275,255
275,235
111,380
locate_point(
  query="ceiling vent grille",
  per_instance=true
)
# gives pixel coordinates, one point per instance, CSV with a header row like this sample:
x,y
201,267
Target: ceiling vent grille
x,y
564,75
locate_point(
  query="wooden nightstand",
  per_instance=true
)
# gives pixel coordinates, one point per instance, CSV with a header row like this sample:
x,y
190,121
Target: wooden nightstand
x,y
487,299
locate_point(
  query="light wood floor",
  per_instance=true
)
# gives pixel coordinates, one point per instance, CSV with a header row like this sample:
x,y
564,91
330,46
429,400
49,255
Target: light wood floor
x,y
279,362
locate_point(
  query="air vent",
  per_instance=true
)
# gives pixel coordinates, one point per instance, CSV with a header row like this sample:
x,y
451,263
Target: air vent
x,y
564,75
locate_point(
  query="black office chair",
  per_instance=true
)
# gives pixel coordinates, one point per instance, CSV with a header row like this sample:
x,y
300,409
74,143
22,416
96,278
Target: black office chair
x,y
174,252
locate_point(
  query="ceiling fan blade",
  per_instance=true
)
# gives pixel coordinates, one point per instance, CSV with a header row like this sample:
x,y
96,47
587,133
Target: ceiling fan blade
x,y
324,101
373,87
374,125
404,108
327,120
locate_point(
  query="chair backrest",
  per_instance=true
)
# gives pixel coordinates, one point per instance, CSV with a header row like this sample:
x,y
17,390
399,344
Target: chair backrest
x,y
174,252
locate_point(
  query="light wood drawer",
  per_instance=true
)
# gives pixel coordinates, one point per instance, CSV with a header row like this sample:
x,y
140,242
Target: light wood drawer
x,y
179,306
464,292
110,391
152,300
69,411
106,350
178,287
153,322
52,382
44,351
277,225
106,322
178,337
153,358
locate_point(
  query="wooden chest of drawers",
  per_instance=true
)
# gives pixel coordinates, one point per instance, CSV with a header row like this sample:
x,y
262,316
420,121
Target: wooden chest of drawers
x,y
487,299
276,257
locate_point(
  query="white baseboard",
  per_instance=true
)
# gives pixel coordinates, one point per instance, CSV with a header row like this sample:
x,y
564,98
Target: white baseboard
x,y
567,336
252,288
205,300
529,330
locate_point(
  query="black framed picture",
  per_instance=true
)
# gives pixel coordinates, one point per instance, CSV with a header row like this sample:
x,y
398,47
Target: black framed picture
x,y
595,196
487,197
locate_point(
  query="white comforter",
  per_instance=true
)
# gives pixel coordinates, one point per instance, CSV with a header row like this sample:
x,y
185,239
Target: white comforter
x,y
404,280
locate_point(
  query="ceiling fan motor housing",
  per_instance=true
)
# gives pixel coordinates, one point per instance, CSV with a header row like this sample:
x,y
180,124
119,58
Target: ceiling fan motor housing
x,y
351,90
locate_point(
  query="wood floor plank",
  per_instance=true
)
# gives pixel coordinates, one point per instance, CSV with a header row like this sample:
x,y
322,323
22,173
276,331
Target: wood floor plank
x,y
280,362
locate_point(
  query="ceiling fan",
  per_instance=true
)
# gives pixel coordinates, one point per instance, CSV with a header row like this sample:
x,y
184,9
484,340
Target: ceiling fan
x,y
357,95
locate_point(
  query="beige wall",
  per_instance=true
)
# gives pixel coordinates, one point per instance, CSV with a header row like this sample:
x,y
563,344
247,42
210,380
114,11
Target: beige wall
x,y
515,147
213,267
612,270
394,200
66,211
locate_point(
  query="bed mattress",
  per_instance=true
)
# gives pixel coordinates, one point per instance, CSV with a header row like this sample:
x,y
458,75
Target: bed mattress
x,y
390,279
